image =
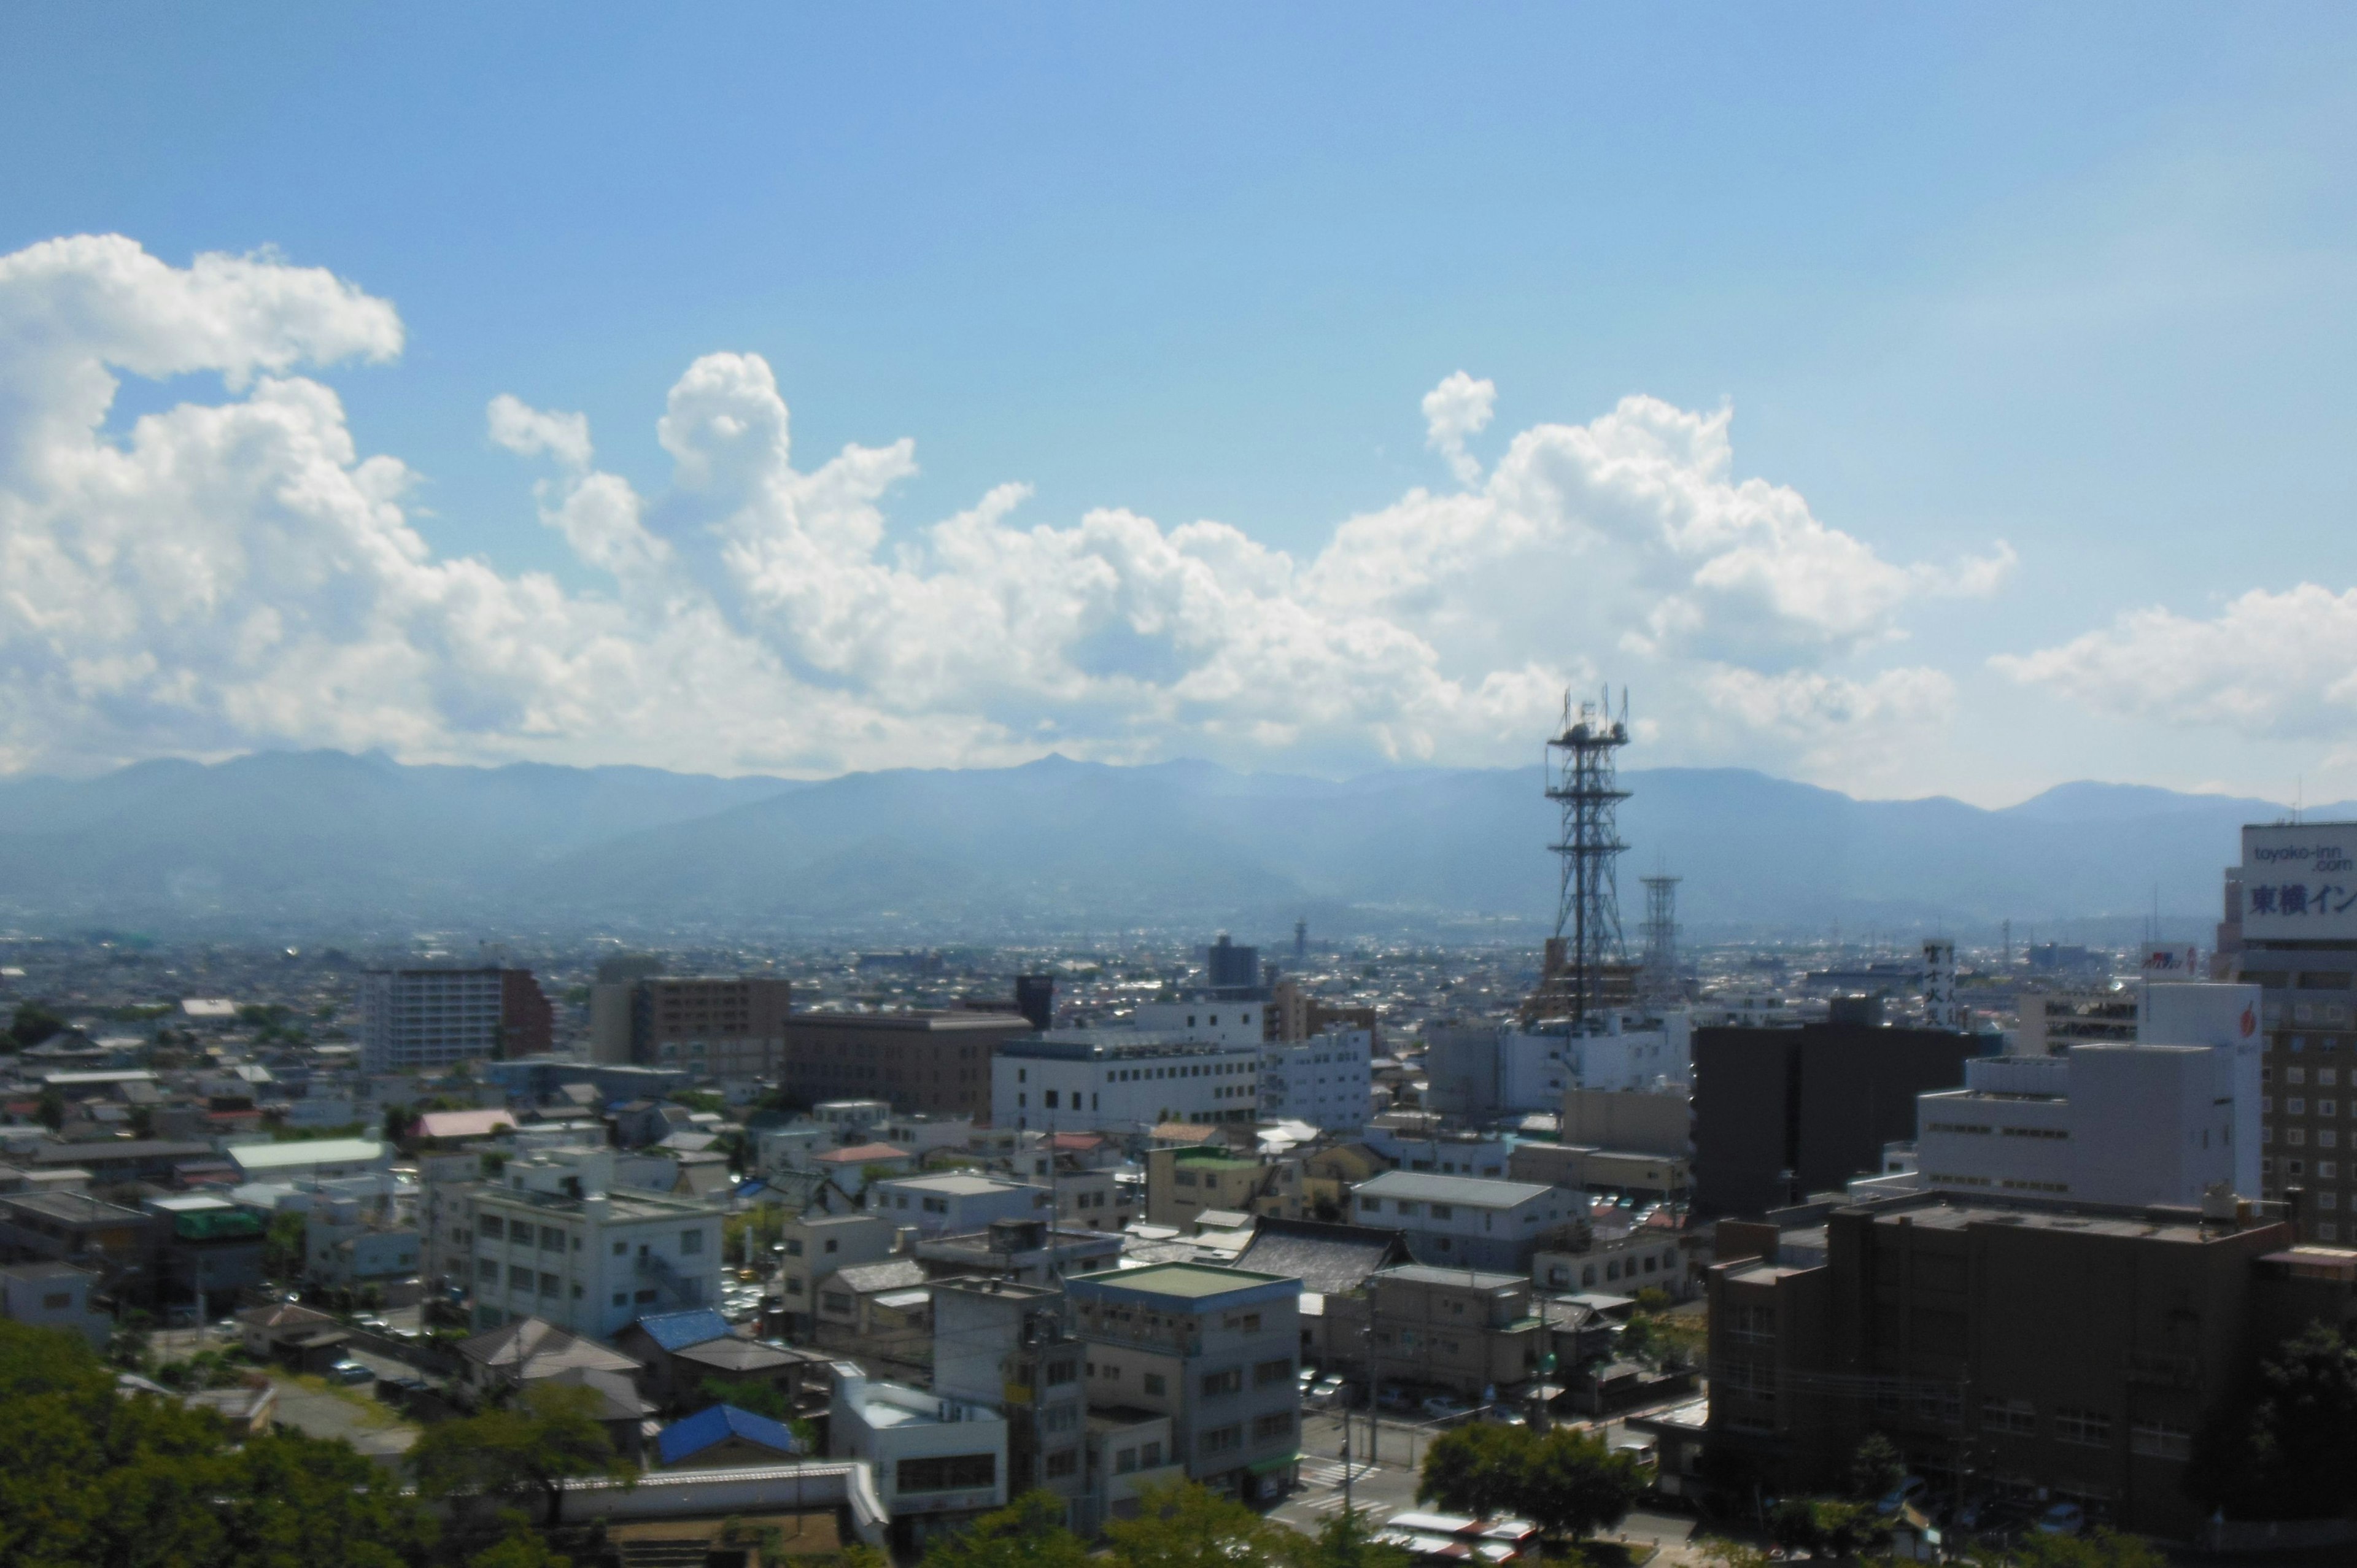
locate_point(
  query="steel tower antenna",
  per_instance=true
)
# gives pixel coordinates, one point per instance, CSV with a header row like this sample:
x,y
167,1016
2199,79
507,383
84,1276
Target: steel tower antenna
x,y
1659,982
1580,779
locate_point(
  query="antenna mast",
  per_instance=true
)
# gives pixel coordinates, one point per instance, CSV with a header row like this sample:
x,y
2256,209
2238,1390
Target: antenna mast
x,y
1581,780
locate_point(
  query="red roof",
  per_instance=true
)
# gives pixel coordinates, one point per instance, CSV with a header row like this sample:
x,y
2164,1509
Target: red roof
x,y
1074,1140
461,1123
864,1154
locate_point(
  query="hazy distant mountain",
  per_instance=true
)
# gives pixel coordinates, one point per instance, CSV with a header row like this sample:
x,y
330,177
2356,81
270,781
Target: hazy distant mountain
x,y
326,841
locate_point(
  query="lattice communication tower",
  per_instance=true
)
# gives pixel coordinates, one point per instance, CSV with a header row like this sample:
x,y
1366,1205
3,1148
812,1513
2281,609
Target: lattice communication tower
x,y
1659,981
1580,779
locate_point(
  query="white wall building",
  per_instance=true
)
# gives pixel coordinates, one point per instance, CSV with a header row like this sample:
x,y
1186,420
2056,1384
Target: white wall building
x,y
2126,1124
936,1460
954,1203
1122,1081
559,1241
1326,1080
412,1018
1204,1023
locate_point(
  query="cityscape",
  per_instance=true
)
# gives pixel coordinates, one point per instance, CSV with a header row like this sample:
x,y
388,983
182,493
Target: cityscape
x,y
1053,786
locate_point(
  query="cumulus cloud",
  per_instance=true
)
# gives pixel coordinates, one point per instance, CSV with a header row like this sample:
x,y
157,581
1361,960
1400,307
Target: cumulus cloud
x,y
236,572
1457,408
2269,665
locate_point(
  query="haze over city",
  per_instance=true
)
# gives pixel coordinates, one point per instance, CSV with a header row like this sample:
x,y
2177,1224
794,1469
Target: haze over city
x,y
1195,787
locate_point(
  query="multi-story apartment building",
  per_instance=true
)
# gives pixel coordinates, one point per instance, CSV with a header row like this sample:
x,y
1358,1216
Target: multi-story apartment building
x,y
720,1025
2291,931
1326,1080
412,1019
1211,1348
933,1062
1204,1021
1122,1081
818,1245
1467,1222
938,1462
560,1243
1471,1333
1006,1344
2021,1350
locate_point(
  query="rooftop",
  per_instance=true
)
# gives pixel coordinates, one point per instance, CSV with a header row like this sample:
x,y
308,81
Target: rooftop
x,y
1469,1278
678,1330
716,1423
1187,1281
1474,1192
954,1185
315,1152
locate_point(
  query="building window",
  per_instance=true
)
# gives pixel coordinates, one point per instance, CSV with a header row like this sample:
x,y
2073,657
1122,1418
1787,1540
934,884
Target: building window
x,y
1228,1382
690,1242
1060,1373
1277,1424
1064,1461
2091,1427
2018,1417
488,1270
1268,1372
949,1472
1124,1461
622,1298
1221,1440
550,1284
2161,1440
1154,1383
518,1277
552,1240
493,1227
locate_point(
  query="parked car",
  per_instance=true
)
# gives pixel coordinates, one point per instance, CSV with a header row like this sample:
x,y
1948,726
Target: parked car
x,y
1330,1391
1307,1378
351,1372
1442,1407
2063,1519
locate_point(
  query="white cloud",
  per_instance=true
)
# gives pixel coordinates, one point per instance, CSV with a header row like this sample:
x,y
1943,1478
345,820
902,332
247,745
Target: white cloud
x,y
2269,665
236,573
1457,408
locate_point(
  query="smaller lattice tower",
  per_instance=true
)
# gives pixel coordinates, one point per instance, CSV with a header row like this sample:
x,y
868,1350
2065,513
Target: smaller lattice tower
x,y
1586,968
1657,977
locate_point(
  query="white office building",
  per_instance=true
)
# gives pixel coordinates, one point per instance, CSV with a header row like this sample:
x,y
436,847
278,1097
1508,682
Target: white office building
x,y
1122,1081
1467,1222
414,1019
2128,1124
1210,1023
1491,1069
558,1241
938,1461
1326,1080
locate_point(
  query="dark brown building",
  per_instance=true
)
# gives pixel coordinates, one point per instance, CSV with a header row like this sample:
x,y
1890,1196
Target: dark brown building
x,y
1778,1113
527,1023
2014,1352
937,1062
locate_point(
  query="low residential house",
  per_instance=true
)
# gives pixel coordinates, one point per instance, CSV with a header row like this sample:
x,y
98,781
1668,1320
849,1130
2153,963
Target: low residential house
x,y
639,1123
1028,1250
350,1242
54,1295
249,1407
1180,1183
1129,1451
298,1336
116,1242
690,1354
853,1167
1646,1256
1094,1197
317,1159
620,1408
529,1349
881,1313
820,1242
956,1203
442,1129
1328,1174
721,1437
1332,1263
1459,1331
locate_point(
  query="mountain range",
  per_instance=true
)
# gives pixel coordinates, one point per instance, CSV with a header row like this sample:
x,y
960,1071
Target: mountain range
x,y
326,842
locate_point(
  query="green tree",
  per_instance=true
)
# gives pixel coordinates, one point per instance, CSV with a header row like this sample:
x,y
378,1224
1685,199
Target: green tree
x,y
526,1449
1029,1531
50,1109
1793,1525
2096,1548
519,1546
2290,1453
1576,1486
34,1022
1877,1467
1186,1526
284,1247
1347,1539
1479,1469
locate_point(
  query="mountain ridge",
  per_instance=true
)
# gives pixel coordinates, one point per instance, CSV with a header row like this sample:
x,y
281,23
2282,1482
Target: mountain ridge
x,y
326,839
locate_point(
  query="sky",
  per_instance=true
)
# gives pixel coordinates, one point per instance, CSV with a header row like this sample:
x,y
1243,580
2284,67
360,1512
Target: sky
x,y
1907,400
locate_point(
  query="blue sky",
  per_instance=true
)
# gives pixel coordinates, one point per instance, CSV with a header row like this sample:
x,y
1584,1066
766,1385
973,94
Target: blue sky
x,y
2075,281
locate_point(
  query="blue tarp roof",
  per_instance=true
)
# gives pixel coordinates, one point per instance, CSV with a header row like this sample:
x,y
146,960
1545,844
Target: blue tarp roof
x,y
678,1330
716,1423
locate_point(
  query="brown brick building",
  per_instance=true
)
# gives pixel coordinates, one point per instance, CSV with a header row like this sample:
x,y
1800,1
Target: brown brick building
x,y
723,1025
2011,1351
936,1062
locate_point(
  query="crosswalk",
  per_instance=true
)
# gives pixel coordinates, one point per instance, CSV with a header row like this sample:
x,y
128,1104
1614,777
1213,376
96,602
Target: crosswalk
x,y
1332,1504
1329,1473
